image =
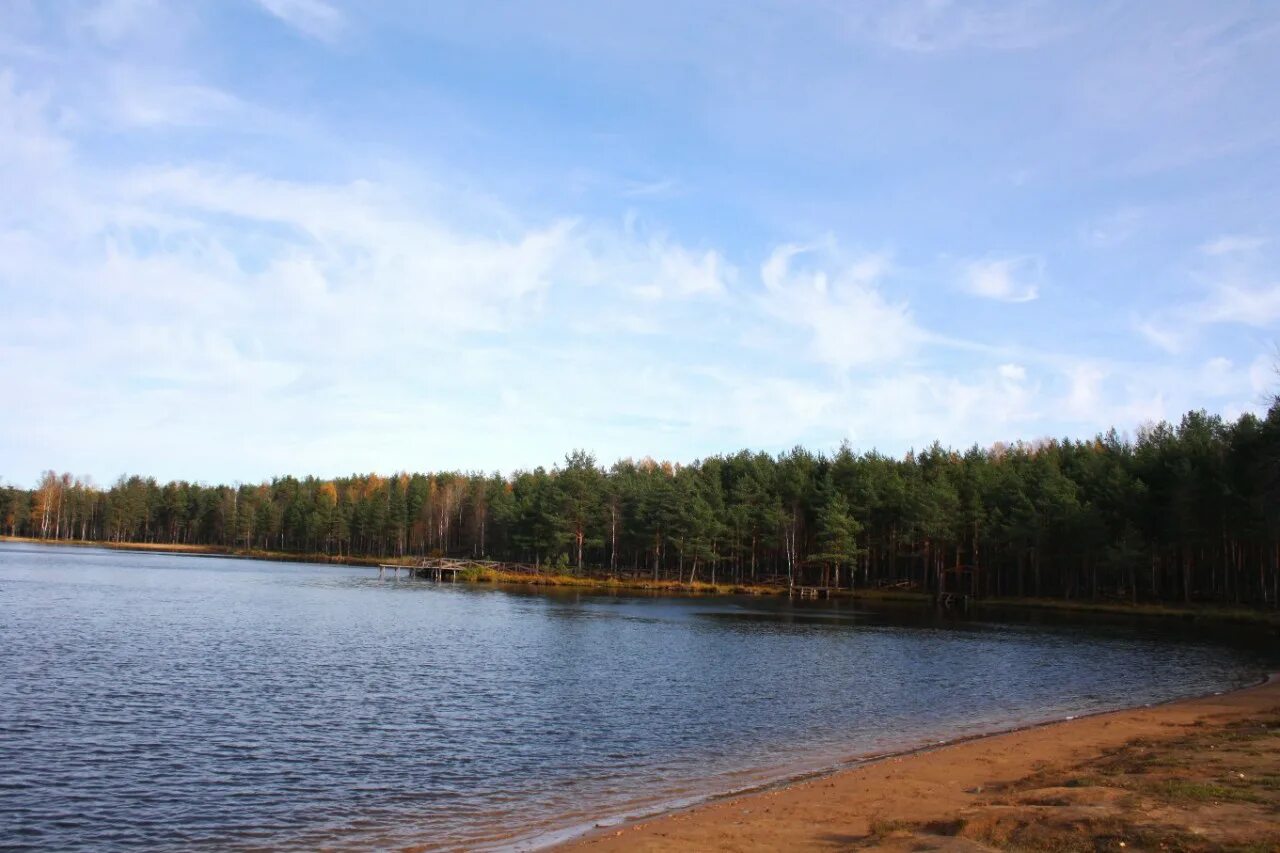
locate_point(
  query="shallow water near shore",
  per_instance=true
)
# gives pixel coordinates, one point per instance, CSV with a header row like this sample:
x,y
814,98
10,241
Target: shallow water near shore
x,y
168,701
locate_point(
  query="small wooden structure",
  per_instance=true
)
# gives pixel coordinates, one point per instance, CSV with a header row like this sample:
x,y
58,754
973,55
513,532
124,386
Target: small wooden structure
x,y
438,569
957,586
815,578
904,584
812,591
395,567
949,600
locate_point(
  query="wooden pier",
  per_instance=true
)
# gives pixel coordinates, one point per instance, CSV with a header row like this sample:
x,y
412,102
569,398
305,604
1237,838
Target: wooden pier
x,y
446,569
438,569
952,600
957,586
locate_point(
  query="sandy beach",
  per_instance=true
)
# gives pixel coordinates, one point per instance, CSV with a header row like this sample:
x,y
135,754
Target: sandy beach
x,y
1198,774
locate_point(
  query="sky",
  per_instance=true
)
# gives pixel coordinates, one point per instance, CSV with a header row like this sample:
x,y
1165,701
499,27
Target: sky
x,y
248,238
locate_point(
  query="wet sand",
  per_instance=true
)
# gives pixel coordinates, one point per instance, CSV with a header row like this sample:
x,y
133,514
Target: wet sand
x,y
1194,774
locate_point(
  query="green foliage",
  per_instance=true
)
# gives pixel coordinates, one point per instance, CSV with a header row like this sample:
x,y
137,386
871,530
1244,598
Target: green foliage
x,y
1186,512
477,574
838,530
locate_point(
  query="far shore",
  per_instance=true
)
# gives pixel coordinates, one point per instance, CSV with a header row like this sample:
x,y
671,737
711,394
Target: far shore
x,y
606,583
1196,774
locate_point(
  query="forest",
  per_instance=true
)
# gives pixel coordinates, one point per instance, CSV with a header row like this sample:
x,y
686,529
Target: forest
x,y
1182,513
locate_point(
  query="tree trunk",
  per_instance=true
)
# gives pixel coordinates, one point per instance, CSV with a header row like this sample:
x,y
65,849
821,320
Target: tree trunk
x,y
613,539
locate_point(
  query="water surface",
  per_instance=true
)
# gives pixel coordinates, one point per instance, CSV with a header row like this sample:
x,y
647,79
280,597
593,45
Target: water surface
x,y
172,701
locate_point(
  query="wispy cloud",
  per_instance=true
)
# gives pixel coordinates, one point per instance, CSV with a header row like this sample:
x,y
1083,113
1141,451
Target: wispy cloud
x,y
1113,229
1235,287
314,18
1160,336
187,287
1230,244
1011,279
349,284
848,322
682,274
1255,305
1084,392
143,101
1013,372
111,20
661,188
931,26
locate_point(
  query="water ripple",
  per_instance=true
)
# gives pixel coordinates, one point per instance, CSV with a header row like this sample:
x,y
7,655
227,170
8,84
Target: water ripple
x,y
167,702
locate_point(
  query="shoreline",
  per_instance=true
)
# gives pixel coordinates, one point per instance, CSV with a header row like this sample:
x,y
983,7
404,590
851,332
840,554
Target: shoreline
x,y
1207,613
812,809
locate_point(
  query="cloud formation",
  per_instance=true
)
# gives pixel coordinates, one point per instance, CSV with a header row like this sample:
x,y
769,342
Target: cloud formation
x,y
339,259
314,18
846,319
1010,279
931,26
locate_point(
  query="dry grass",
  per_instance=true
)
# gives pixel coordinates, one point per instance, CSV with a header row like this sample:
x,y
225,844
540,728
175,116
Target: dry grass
x,y
487,574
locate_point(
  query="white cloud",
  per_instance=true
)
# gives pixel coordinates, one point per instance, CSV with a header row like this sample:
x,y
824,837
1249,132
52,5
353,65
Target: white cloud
x,y
1264,376
687,274
1249,305
112,20
925,405
652,269
1084,394
28,137
1237,288
1011,279
142,100
681,275
1219,375
1230,244
1115,228
848,322
1159,336
662,188
1013,372
339,326
378,259
314,18
161,294
933,26
335,324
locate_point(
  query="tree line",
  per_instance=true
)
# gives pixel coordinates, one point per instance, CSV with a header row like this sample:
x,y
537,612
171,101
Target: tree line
x,y
1185,512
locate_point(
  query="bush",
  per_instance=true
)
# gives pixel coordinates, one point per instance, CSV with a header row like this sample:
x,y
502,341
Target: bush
x,y
476,574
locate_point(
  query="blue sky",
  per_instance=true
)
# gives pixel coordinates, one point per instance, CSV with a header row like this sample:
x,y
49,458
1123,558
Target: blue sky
x,y
253,237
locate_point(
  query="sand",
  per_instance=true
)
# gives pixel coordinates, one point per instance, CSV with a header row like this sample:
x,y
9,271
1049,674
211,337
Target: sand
x,y
1199,774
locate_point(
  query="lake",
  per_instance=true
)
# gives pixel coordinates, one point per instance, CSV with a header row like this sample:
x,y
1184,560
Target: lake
x,y
169,701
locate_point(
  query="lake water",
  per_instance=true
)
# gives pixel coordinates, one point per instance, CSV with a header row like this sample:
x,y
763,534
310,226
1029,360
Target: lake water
x,y
164,702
